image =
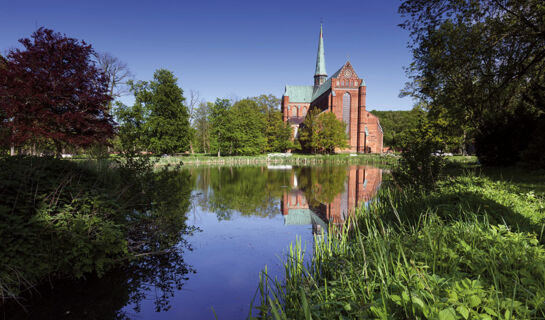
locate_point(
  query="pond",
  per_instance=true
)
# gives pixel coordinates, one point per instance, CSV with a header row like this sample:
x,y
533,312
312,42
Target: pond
x,y
239,220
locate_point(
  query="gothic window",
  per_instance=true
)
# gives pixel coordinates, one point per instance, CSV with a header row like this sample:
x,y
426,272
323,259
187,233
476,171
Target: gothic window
x,y
338,83
294,111
346,110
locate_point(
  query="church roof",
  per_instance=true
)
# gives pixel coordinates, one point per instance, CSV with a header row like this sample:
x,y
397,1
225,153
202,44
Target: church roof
x,y
326,85
307,94
299,93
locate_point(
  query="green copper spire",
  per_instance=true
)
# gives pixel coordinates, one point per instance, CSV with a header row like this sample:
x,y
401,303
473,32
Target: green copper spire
x,y
320,59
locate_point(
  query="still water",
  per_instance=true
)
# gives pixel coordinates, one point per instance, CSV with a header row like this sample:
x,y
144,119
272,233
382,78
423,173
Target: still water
x,y
245,218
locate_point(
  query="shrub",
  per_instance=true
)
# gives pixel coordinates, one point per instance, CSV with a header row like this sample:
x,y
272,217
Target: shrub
x,y
420,165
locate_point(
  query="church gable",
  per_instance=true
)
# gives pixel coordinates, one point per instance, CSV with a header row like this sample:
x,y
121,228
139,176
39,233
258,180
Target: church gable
x,y
343,94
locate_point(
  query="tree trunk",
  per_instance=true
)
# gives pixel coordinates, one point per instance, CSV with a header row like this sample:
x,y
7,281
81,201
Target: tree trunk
x,y
12,150
464,149
58,149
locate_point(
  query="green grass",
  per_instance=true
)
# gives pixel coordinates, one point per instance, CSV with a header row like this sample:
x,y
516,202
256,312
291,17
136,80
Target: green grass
x,y
523,178
473,249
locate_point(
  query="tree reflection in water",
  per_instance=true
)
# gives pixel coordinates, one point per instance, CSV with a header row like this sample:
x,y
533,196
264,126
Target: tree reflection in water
x,y
160,235
327,192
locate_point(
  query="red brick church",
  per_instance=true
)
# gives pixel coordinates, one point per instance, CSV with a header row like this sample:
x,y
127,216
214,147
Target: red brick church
x,y
343,94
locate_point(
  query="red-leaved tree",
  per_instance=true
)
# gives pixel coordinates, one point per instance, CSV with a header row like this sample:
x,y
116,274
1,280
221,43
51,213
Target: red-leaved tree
x,y
52,90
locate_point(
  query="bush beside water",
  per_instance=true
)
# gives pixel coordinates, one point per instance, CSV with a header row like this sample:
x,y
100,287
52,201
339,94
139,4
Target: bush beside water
x,y
62,219
471,249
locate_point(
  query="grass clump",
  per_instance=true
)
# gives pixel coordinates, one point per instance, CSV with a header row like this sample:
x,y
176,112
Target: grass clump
x,y
471,249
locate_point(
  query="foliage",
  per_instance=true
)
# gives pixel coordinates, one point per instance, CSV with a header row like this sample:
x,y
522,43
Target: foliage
x,y
158,121
219,122
401,259
478,61
168,119
420,166
251,191
321,184
246,129
52,90
66,219
267,103
501,141
278,133
132,130
322,132
394,123
533,156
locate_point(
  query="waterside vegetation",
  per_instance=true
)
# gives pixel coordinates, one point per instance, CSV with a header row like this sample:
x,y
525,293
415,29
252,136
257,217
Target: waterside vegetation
x,y
66,219
471,249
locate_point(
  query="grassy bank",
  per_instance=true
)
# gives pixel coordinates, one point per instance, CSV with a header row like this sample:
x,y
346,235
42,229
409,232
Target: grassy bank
x,y
472,249
65,219
294,159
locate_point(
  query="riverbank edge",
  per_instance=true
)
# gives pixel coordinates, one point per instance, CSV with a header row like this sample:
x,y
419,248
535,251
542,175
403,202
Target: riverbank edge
x,y
295,159
391,260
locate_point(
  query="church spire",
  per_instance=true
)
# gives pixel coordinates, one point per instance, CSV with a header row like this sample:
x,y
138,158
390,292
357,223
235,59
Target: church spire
x,y
320,75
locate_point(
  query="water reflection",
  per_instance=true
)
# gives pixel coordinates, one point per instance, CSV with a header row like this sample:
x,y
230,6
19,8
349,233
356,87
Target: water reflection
x,y
248,217
319,196
159,235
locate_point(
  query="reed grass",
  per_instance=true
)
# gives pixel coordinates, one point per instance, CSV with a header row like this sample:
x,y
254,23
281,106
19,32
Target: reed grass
x,y
409,255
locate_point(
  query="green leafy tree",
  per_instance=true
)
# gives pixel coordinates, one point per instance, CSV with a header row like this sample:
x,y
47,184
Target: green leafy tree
x,y
279,134
322,132
479,63
219,122
158,121
131,133
267,103
168,121
246,128
394,123
420,165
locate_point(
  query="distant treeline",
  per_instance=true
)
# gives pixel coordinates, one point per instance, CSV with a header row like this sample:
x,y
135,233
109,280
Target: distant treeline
x,y
395,124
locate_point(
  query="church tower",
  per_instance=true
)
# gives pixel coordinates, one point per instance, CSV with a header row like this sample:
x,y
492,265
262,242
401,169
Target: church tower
x,y
320,75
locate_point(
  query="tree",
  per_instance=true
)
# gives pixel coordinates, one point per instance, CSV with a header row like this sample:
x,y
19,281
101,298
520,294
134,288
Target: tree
x,y
278,133
246,127
322,132
202,128
166,117
478,62
132,127
420,166
52,90
117,73
219,122
194,101
394,123
267,103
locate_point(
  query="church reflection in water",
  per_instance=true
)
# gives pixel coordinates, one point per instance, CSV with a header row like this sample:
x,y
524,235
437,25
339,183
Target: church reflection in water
x,y
303,207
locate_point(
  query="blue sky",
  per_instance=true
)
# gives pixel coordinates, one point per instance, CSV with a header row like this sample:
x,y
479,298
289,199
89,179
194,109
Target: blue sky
x,y
232,49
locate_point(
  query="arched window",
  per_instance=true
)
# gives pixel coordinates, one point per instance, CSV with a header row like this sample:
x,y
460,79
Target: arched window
x,y
346,111
294,111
